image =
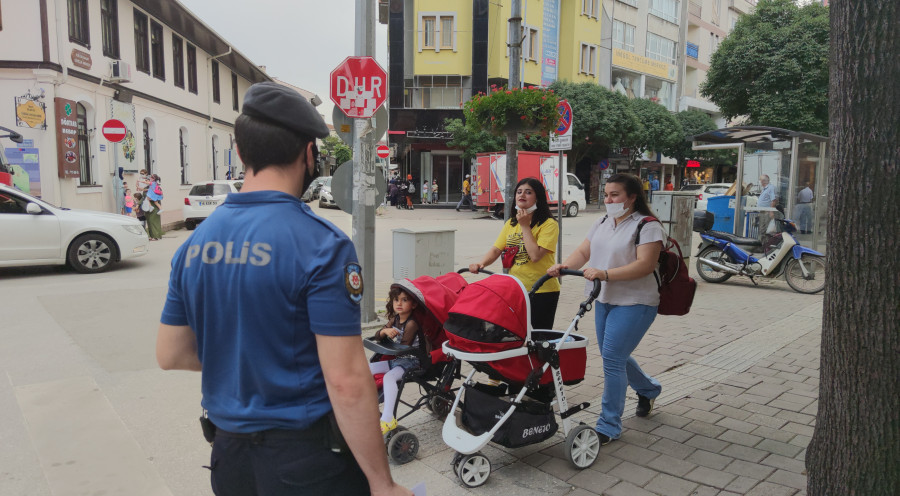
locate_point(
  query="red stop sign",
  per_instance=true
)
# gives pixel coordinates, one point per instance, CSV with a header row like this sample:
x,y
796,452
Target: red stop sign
x,y
358,86
383,151
114,130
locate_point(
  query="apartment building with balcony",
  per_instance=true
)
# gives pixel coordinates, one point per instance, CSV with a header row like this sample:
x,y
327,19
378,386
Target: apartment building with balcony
x,y
442,52
708,22
68,66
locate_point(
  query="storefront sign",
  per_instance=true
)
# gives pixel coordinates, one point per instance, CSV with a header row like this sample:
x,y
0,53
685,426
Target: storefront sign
x,y
30,113
81,59
67,139
550,43
645,65
693,163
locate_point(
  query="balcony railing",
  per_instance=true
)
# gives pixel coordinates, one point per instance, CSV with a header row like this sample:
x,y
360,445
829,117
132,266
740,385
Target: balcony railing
x,y
692,50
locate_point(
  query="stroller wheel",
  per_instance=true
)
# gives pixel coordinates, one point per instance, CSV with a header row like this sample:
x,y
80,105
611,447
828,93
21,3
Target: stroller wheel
x,y
403,447
473,470
440,406
583,446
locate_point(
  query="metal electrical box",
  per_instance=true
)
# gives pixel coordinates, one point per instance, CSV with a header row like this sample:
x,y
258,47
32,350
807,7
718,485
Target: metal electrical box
x,y
675,209
422,252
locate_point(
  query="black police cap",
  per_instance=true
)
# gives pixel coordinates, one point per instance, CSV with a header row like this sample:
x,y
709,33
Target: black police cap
x,y
284,107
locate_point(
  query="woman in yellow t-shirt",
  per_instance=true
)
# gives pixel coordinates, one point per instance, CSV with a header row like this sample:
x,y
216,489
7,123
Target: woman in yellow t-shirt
x,y
531,231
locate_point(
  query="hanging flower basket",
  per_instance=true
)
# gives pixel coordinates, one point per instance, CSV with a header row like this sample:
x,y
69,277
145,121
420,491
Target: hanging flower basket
x,y
526,110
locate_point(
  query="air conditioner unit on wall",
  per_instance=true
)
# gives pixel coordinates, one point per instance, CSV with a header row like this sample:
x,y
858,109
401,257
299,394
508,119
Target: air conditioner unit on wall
x,y
120,71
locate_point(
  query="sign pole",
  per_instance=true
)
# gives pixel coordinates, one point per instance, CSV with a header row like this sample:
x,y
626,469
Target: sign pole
x,y
559,209
364,171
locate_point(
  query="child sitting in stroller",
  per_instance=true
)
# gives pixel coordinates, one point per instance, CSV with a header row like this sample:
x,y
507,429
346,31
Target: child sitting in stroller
x,y
402,328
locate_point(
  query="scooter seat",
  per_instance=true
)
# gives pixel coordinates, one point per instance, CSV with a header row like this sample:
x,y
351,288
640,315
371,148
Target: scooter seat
x,y
738,240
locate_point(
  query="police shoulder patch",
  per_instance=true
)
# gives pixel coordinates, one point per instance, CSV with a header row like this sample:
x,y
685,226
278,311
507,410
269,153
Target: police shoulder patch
x,y
353,281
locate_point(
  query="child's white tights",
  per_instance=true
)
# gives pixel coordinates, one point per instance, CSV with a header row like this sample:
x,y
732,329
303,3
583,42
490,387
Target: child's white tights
x,y
389,383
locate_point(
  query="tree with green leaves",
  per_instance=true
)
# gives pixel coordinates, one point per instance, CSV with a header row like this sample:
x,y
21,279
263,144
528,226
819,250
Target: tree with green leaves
x,y
601,119
472,141
773,68
694,122
659,130
334,147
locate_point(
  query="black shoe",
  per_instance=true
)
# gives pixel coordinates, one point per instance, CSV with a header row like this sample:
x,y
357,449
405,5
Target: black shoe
x,y
604,439
457,209
644,406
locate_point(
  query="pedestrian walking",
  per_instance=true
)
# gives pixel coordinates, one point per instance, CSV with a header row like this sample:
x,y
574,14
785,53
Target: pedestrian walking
x,y
466,195
527,244
154,221
274,327
628,299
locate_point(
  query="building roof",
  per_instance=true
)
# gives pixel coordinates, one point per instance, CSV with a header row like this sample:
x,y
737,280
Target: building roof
x,y
754,134
184,22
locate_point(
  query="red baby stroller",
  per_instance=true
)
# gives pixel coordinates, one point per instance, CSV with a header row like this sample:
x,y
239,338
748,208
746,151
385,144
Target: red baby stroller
x,y
489,327
434,296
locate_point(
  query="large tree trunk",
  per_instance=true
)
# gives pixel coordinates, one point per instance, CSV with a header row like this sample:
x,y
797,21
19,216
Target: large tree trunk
x,y
856,446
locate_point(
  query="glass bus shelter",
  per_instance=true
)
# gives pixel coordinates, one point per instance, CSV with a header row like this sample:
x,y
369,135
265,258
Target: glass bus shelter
x,y
796,164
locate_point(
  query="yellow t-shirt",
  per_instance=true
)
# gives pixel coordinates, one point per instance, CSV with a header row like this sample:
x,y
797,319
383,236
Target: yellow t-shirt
x,y
466,187
523,268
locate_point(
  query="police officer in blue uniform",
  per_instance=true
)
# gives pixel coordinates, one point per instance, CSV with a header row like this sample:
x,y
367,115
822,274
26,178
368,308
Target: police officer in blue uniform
x,y
263,300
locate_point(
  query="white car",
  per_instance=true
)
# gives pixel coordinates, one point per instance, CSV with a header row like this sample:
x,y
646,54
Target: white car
x,y
326,198
203,198
706,191
38,233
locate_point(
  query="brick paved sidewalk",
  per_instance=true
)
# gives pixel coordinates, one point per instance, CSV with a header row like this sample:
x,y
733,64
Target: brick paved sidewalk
x,y
740,387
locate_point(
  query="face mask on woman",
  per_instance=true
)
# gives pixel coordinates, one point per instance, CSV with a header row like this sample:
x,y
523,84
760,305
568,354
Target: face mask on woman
x,y
616,210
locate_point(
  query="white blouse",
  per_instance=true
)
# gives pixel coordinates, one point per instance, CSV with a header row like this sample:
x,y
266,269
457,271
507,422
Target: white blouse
x,y
613,246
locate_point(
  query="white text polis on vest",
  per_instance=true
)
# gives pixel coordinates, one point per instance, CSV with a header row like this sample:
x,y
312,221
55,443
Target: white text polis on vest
x,y
213,252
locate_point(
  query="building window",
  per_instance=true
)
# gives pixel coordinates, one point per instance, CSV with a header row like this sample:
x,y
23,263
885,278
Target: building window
x,y
79,31
192,68
591,8
665,9
434,92
156,51
633,3
661,49
623,36
148,161
215,158
692,50
183,154
447,32
428,32
109,25
84,149
437,31
530,43
713,43
588,59
141,43
215,82
234,92
178,60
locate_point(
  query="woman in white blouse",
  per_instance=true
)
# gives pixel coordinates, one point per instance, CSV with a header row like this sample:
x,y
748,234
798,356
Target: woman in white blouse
x,y
628,299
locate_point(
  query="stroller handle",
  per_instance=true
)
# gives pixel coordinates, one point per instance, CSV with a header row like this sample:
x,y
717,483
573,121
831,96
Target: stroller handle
x,y
482,271
566,272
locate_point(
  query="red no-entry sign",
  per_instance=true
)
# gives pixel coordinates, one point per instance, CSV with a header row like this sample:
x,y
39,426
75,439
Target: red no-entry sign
x,y
383,151
358,86
114,130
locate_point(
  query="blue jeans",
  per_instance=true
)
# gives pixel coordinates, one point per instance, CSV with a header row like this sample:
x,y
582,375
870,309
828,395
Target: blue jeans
x,y
619,331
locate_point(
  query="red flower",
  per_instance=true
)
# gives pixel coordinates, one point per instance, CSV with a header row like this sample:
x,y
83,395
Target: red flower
x,y
492,117
509,92
543,98
523,117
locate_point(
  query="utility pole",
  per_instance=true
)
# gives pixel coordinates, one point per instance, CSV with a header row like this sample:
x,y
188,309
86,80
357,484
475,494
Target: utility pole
x,y
364,170
512,137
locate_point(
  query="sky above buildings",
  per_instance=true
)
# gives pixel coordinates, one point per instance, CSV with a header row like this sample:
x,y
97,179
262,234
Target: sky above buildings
x,y
299,41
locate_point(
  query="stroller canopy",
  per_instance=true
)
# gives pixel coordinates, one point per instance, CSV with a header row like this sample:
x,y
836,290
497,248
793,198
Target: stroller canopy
x,y
435,296
490,315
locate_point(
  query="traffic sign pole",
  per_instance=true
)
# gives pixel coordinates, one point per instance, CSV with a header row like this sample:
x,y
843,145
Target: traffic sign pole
x,y
364,169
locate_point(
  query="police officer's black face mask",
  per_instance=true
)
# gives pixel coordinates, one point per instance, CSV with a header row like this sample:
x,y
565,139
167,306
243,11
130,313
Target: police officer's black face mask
x,y
307,176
